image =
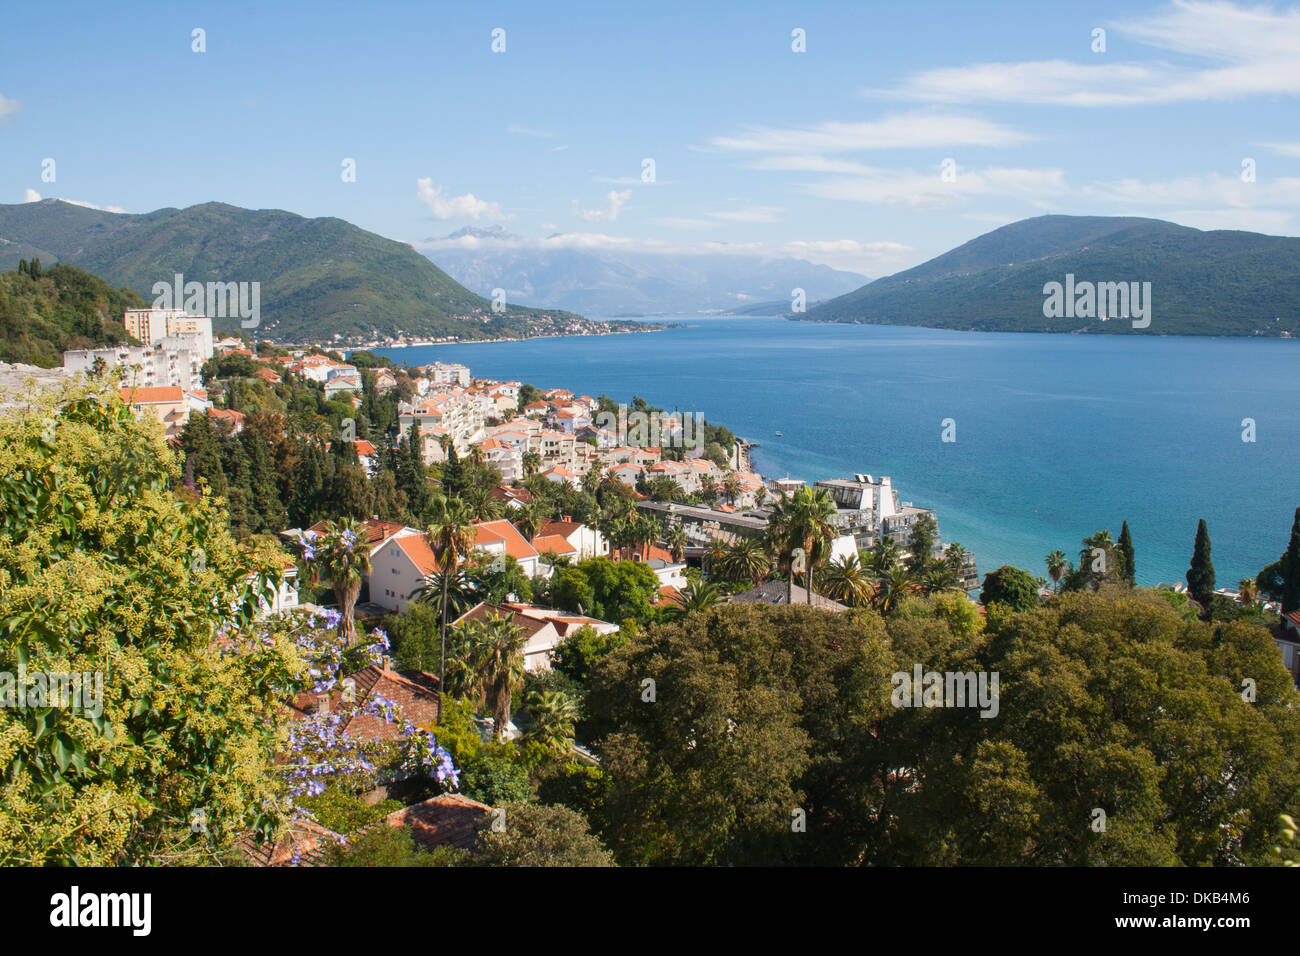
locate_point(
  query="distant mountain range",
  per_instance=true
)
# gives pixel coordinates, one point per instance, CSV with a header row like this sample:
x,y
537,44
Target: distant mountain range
x,y
1202,283
319,277
564,272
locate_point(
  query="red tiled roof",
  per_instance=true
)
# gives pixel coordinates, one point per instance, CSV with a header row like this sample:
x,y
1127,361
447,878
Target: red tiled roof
x,y
304,838
502,493
448,819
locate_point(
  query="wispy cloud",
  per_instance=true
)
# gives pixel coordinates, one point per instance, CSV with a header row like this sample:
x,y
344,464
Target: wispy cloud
x,y
608,212
467,206
899,131
8,107
749,214
529,131
1285,149
869,258
1246,51
918,189
31,195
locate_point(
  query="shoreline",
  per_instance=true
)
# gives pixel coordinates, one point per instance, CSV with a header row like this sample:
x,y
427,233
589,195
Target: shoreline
x,y
420,345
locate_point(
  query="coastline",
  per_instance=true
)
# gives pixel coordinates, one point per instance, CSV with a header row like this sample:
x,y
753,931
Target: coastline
x,y
346,349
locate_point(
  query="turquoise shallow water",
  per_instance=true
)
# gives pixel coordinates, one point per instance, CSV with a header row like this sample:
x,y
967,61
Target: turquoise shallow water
x,y
1057,435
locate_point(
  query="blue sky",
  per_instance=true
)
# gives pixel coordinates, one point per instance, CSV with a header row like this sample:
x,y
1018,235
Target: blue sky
x,y
835,154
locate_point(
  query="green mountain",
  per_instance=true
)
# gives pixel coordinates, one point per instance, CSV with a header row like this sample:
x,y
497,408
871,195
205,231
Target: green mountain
x,y
1202,283
42,314
319,277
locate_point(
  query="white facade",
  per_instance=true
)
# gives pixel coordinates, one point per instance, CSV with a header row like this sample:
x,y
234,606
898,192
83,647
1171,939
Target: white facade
x,y
158,366
151,326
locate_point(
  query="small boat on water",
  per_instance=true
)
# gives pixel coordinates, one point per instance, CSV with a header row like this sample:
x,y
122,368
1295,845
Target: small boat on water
x,y
778,434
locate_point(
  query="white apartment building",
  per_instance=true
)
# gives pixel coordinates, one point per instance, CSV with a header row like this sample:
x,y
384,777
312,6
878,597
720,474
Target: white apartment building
x,y
169,363
448,373
151,326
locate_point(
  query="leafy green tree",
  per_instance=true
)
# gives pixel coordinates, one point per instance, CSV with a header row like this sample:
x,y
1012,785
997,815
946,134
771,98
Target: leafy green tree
x,y
1012,587
579,653
105,572
921,542
538,835
389,847
716,728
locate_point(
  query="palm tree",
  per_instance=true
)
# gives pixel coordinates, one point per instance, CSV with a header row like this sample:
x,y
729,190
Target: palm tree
x,y
504,666
714,557
552,715
885,556
1248,591
846,581
955,556
699,596
891,589
450,535
532,463
592,479
676,539
482,504
1056,567
529,518
1102,541
938,575
458,588
745,559
731,487
803,521
339,554
468,662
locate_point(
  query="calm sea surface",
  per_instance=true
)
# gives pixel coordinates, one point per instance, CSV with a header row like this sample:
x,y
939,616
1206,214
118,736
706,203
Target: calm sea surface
x,y
1056,435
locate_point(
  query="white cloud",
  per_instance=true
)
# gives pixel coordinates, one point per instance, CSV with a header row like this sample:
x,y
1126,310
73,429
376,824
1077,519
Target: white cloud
x,y
1272,222
1226,191
8,107
870,258
91,205
614,203
685,222
899,131
1247,52
920,189
749,214
467,206
529,131
31,195
1285,149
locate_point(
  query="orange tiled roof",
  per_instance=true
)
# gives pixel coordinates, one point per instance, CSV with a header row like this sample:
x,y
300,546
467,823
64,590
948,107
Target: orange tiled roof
x,y
517,545
553,542
153,395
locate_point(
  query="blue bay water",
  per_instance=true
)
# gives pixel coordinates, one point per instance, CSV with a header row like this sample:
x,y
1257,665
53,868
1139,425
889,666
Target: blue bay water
x,y
1057,435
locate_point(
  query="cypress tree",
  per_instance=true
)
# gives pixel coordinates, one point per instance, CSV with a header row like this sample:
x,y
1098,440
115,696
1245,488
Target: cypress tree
x,y
1289,567
22,267
1200,576
1126,550
35,269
